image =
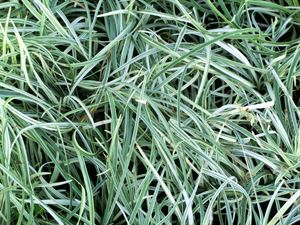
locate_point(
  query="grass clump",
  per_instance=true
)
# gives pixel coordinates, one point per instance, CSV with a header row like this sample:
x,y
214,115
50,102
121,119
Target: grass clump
x,y
149,112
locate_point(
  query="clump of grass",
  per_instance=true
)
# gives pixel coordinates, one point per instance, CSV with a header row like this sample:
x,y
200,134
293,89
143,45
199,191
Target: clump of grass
x,y
149,112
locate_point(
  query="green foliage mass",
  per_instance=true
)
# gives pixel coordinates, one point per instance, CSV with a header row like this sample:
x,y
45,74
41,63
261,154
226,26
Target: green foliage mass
x,y
149,112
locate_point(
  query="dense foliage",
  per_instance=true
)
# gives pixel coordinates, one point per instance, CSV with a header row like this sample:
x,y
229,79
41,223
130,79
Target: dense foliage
x,y
149,112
